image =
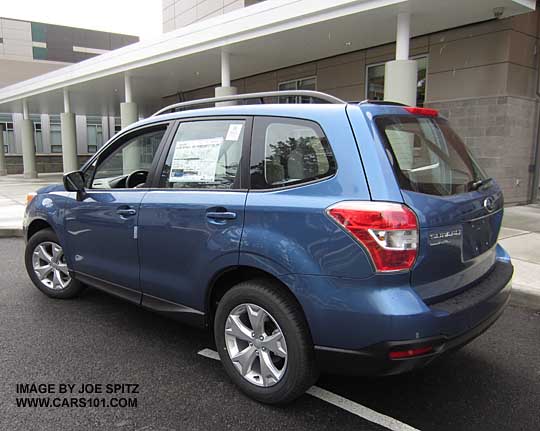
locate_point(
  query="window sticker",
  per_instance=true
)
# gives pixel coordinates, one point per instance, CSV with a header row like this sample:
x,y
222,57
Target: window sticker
x,y
234,132
195,161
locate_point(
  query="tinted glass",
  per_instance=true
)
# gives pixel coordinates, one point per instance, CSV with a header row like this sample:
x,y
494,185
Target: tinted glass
x,y
285,152
205,155
136,153
428,156
56,138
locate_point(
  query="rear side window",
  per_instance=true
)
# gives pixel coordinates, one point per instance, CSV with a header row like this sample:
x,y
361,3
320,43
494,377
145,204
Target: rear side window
x,y
428,156
205,155
287,152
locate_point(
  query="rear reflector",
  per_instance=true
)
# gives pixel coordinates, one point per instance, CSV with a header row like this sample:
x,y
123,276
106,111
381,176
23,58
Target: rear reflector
x,y
428,112
388,231
410,353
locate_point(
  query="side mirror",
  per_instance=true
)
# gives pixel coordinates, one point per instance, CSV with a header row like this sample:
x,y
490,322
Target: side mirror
x,y
74,181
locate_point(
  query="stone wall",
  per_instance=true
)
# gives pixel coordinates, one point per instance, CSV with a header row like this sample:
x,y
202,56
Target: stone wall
x,y
500,131
45,163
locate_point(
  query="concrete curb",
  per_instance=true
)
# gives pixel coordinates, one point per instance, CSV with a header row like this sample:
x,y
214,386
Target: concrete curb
x,y
525,298
11,232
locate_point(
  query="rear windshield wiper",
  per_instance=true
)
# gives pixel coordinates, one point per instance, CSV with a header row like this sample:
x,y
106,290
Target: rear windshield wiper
x,y
477,184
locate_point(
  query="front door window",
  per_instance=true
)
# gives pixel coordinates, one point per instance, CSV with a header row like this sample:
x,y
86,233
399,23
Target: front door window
x,y
128,165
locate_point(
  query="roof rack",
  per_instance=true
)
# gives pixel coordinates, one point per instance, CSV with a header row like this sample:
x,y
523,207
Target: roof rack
x,y
235,97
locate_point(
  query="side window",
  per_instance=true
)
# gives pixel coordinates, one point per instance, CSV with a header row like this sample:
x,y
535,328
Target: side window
x,y
205,154
286,151
135,154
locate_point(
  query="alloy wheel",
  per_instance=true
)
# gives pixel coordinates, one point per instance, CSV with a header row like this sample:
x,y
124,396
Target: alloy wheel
x,y
256,345
50,267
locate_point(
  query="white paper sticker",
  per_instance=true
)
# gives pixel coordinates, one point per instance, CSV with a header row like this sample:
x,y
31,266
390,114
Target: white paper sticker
x,y
195,161
234,132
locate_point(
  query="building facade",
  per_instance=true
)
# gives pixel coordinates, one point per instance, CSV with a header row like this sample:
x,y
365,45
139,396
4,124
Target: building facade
x,y
483,77
475,61
29,49
181,13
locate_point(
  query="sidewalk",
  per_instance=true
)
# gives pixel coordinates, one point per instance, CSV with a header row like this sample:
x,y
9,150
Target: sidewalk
x,y
13,190
520,234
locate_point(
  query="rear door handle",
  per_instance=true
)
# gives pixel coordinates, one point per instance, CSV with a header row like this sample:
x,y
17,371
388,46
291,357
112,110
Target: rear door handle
x,y
126,212
221,215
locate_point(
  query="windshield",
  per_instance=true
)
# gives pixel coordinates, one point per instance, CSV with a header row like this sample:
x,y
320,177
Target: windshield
x,y
428,156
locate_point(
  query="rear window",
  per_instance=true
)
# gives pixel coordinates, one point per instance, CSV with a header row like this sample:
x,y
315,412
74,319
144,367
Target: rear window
x,y
428,156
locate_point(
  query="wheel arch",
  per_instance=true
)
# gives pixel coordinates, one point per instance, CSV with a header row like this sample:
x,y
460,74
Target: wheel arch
x,y
229,277
37,225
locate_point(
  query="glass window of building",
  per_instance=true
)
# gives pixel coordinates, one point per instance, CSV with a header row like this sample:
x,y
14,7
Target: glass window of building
x,y
9,137
56,138
375,81
297,84
38,137
94,137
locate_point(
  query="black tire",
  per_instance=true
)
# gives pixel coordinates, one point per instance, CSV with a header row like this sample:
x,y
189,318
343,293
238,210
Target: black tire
x,y
73,287
301,370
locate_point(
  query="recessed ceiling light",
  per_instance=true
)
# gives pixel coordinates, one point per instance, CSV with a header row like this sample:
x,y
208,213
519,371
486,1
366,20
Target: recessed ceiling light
x,y
197,73
348,43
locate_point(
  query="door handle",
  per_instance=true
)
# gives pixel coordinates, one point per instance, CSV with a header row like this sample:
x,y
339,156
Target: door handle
x,y
126,212
221,215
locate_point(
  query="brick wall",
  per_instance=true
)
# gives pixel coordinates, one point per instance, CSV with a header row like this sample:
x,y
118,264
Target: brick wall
x,y
500,131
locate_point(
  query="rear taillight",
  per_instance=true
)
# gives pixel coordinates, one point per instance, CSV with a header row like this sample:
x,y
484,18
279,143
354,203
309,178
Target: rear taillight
x,y
388,231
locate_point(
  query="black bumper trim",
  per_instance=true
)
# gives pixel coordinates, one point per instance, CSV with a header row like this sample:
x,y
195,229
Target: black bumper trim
x,y
374,361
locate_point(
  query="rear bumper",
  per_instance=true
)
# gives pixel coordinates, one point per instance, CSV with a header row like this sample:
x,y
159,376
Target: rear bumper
x,y
453,323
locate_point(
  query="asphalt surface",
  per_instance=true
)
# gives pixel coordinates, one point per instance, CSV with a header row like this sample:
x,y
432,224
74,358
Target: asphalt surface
x,y
493,383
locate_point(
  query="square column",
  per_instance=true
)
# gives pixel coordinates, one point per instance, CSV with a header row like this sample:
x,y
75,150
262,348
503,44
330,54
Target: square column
x,y
401,75
128,113
29,149
3,168
69,142
225,89
400,79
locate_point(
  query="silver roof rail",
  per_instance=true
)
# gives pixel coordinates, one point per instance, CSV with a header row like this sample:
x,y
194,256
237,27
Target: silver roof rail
x,y
315,94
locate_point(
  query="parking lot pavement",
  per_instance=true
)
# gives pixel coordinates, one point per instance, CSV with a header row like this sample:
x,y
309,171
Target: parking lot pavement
x,y
493,383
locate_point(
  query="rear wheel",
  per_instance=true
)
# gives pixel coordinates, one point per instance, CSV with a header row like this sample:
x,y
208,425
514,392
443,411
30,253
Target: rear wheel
x,y
46,265
264,342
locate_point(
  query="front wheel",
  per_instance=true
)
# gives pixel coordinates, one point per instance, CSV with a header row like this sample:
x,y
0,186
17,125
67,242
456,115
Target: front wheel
x,y
264,342
46,265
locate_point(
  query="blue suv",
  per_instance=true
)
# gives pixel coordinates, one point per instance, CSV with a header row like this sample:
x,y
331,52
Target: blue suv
x,y
342,237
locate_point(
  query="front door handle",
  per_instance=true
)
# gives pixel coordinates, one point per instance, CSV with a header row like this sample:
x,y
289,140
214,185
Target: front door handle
x,y
221,215
126,212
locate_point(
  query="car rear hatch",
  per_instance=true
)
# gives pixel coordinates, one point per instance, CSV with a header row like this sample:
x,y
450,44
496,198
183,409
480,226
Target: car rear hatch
x,y
459,209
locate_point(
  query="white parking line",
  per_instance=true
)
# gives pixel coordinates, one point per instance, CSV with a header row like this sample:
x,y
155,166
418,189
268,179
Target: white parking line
x,y
209,353
343,403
